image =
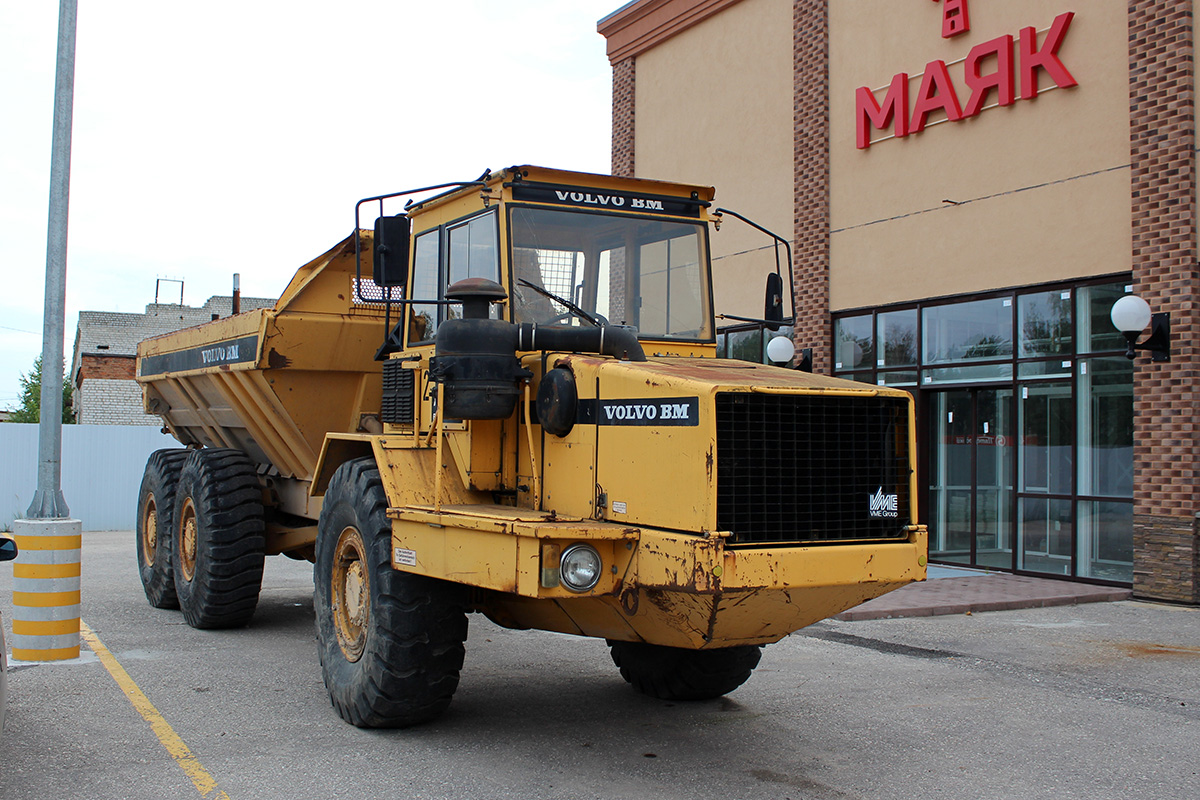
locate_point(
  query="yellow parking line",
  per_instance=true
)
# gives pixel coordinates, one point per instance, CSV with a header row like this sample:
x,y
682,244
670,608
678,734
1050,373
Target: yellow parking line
x,y
205,784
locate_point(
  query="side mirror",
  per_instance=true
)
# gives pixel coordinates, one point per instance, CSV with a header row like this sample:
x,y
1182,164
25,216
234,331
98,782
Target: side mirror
x,y
773,312
390,267
8,549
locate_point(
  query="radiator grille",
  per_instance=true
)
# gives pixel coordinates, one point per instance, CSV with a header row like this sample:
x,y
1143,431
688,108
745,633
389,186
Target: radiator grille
x,y
397,405
812,468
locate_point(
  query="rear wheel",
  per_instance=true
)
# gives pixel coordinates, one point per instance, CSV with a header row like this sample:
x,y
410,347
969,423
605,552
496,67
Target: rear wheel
x,y
218,540
156,508
673,673
390,642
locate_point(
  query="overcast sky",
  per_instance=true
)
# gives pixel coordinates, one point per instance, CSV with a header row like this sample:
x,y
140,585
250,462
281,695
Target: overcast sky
x,y
232,137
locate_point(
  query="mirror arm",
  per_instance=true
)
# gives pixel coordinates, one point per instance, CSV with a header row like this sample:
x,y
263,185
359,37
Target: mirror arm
x,y
787,245
379,199
785,321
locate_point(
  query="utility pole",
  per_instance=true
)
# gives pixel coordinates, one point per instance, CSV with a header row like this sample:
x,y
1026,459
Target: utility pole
x,y
46,578
48,503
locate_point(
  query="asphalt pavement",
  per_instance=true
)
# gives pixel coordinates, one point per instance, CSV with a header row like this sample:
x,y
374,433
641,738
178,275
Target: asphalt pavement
x,y
1089,700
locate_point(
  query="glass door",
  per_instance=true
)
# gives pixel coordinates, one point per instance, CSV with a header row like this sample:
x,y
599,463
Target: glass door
x,y
971,477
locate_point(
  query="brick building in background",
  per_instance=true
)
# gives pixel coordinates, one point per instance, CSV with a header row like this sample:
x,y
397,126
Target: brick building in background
x,y
102,366
969,187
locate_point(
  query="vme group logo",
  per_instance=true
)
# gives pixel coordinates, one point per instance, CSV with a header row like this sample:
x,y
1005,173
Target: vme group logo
x,y
884,505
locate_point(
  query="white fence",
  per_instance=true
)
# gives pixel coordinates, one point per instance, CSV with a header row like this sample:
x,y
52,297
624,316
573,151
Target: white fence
x,y
101,471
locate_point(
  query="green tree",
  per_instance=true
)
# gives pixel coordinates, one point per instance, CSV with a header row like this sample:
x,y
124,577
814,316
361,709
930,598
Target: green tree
x,y
30,407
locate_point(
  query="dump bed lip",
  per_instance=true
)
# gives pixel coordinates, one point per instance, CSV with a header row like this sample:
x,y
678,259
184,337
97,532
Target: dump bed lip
x,y
231,341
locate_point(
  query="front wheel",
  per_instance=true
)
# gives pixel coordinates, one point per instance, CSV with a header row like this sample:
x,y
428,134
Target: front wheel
x,y
673,673
390,642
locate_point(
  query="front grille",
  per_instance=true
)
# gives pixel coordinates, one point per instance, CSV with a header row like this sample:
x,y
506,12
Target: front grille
x,y
398,395
812,468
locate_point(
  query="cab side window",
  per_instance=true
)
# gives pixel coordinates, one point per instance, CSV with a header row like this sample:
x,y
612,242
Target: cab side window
x,y
443,256
423,317
473,250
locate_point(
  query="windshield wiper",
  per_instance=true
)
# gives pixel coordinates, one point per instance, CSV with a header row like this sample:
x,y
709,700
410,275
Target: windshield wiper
x,y
567,304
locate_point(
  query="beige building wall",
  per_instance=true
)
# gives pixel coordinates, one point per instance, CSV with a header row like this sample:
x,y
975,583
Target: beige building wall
x,y
714,107
1042,186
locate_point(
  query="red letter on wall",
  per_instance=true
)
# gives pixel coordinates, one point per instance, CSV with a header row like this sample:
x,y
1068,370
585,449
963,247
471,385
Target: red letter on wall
x,y
1002,80
936,92
1033,59
955,19
870,113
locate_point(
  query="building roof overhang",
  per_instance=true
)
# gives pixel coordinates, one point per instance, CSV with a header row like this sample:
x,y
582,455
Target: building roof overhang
x,y
638,26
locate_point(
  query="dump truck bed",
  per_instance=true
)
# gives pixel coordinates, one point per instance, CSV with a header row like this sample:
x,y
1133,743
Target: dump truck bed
x,y
273,382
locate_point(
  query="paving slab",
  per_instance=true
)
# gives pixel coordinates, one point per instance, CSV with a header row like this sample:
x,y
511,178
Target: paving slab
x,y
975,592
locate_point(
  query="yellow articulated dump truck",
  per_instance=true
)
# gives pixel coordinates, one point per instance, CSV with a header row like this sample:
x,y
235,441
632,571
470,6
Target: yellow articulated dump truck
x,y
505,399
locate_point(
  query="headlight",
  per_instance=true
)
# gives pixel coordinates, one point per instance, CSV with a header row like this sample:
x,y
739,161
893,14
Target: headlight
x,y
580,567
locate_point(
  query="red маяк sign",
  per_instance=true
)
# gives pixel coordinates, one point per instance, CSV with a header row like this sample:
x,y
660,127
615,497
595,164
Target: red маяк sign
x,y
1023,58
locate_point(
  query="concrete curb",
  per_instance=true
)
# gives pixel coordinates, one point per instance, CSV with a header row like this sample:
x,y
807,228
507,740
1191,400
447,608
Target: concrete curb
x,y
977,593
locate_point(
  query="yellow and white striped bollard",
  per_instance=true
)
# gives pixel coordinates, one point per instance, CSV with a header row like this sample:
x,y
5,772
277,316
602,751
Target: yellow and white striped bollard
x,y
46,582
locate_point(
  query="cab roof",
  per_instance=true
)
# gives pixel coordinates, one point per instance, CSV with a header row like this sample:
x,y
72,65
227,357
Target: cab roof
x,y
496,181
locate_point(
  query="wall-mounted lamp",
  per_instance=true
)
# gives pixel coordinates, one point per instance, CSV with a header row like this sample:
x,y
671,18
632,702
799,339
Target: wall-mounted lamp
x,y
780,350
1131,314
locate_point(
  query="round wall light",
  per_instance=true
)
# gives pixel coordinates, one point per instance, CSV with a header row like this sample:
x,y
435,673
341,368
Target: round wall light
x,y
1131,314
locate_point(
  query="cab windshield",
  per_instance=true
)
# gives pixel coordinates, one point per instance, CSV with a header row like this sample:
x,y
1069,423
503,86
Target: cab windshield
x,y
648,273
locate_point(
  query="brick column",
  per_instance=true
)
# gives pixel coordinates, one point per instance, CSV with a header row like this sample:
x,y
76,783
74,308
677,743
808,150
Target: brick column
x,y
1166,546
622,118
810,119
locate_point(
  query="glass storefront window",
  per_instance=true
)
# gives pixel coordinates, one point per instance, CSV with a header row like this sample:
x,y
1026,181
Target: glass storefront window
x,y
901,378
1105,427
749,343
745,345
1028,413
976,374
951,495
1044,320
897,338
1030,370
854,343
979,330
1046,437
1093,308
1045,535
1105,547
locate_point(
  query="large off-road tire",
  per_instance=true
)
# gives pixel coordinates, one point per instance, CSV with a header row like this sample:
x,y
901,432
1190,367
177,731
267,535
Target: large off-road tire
x,y
673,673
156,512
217,543
390,642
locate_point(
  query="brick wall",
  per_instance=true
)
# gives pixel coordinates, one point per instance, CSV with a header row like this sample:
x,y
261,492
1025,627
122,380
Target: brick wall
x,y
106,367
622,118
1166,400
810,117
111,402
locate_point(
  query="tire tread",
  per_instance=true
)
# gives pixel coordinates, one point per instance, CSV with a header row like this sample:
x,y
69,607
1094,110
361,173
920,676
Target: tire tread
x,y
223,484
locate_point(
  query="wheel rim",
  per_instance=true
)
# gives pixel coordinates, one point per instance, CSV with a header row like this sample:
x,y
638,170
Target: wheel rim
x,y
187,539
150,531
351,594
